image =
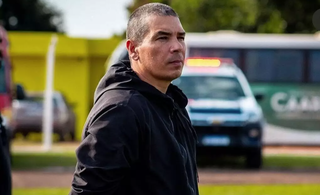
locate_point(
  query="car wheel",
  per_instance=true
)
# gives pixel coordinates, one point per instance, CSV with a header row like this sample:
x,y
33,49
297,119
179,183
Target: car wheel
x,y
254,158
61,137
72,134
25,135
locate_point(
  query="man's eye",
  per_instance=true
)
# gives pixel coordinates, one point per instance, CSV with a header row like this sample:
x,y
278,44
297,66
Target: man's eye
x,y
181,38
163,38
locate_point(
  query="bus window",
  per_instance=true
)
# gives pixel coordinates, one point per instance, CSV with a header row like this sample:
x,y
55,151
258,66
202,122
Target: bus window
x,y
314,66
258,62
266,65
213,52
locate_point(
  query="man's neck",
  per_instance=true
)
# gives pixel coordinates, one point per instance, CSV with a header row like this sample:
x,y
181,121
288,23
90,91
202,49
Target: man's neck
x,y
162,86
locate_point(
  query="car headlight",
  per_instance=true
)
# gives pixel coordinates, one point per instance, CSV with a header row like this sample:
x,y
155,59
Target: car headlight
x,y
253,118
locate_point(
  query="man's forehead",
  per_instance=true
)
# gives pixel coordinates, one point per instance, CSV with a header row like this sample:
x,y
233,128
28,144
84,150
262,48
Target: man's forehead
x,y
168,24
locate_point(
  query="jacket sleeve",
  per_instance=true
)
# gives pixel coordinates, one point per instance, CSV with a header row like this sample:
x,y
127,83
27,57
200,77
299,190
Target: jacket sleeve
x,y
108,150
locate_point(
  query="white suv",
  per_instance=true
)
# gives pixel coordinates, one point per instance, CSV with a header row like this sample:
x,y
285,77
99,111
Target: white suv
x,y
224,112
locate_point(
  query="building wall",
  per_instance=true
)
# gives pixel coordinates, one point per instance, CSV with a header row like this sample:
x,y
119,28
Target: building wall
x,y
79,65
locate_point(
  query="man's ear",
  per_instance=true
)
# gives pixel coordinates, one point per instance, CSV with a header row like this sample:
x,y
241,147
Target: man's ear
x,y
132,50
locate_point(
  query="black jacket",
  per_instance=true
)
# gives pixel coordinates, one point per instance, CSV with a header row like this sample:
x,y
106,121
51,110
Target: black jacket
x,y
5,167
136,140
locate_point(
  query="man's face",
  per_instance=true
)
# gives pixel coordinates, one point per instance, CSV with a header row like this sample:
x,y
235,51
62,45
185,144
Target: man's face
x,y
162,51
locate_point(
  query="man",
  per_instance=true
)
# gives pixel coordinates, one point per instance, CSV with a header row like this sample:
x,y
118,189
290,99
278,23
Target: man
x,y
138,138
5,168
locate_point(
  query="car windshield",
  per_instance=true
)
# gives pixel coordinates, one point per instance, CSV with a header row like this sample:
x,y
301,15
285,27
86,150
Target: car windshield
x,y
40,99
2,79
210,87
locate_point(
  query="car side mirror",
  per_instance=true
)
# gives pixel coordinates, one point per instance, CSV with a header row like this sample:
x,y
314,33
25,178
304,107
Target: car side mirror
x,y
259,97
20,92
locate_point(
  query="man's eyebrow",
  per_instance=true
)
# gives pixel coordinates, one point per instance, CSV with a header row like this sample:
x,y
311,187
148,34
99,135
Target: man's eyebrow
x,y
182,33
159,33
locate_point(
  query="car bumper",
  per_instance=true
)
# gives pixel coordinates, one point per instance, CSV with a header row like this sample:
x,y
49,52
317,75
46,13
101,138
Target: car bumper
x,y
238,137
35,126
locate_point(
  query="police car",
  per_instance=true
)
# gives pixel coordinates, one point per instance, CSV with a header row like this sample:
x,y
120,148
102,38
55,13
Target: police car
x,y
223,109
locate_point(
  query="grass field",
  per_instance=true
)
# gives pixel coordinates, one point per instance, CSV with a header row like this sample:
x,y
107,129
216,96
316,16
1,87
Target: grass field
x,y
38,160
212,190
27,161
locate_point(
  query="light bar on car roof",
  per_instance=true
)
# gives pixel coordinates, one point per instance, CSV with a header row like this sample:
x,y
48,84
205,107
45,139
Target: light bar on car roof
x,y
207,62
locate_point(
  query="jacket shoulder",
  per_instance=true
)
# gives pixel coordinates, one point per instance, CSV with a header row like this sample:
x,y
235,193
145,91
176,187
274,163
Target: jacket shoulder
x,y
128,99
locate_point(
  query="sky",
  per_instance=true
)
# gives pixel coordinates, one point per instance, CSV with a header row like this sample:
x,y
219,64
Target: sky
x,y
92,18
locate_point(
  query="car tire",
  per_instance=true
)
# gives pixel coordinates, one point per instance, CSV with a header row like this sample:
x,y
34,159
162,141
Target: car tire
x,y
25,135
62,137
73,137
254,158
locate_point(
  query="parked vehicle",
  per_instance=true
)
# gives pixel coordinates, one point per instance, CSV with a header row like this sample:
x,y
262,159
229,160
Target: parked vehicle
x,y
223,110
28,115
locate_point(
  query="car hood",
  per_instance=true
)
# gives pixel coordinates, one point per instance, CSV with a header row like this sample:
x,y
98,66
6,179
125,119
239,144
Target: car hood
x,y
223,106
223,110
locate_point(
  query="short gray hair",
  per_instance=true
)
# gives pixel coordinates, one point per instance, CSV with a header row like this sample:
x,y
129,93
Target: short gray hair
x,y
137,27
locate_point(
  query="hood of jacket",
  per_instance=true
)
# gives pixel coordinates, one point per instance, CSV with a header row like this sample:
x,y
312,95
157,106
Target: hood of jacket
x,y
120,76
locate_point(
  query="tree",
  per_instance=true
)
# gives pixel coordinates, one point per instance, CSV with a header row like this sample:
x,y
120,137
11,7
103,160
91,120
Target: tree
x,y
269,19
297,14
212,15
29,15
255,16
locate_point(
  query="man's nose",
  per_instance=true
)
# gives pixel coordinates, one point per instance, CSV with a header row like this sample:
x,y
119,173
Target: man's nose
x,y
177,45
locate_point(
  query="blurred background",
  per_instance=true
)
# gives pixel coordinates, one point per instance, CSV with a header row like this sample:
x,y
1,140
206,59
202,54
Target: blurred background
x,y
275,43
